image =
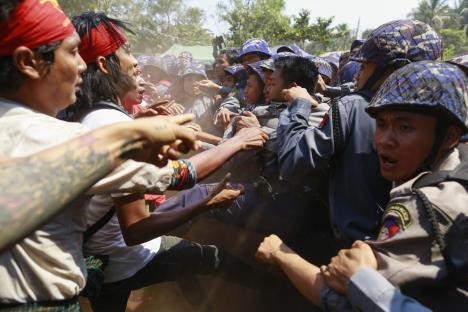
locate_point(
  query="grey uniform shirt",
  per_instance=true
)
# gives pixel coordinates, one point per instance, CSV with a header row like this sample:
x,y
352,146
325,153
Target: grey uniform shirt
x,y
404,248
48,264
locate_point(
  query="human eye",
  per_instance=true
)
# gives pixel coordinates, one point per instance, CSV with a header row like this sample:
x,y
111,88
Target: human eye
x,y
380,123
406,128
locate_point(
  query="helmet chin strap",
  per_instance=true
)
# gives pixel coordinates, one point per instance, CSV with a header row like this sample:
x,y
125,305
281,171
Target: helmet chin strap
x,y
376,75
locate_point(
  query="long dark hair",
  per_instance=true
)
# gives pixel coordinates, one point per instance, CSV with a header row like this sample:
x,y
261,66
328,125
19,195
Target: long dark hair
x,y
98,86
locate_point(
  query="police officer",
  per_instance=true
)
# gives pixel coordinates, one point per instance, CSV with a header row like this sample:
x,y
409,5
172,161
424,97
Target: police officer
x,y
421,113
343,144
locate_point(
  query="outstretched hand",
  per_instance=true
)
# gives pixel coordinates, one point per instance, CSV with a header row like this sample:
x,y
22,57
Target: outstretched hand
x,y
223,194
250,138
166,136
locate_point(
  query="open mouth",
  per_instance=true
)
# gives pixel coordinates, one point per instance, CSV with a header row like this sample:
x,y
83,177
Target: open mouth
x,y
387,162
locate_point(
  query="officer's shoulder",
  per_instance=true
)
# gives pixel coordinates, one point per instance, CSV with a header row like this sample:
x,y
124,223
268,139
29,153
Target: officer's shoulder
x,y
355,100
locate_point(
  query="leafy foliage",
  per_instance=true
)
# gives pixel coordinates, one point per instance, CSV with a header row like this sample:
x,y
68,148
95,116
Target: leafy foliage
x,y
157,23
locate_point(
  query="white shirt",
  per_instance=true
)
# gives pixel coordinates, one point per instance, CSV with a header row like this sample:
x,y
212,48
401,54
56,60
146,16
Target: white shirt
x,y
48,264
124,261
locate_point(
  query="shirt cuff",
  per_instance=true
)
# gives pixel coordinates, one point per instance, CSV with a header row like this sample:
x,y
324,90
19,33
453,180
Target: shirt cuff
x,y
300,106
367,288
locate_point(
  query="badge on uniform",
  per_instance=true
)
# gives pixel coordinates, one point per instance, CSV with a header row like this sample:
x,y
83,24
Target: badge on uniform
x,y
396,219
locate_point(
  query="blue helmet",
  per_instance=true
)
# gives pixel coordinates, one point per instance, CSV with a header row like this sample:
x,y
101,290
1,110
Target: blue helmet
x,y
323,66
238,71
293,48
255,45
256,68
194,69
427,86
461,61
400,42
348,72
333,58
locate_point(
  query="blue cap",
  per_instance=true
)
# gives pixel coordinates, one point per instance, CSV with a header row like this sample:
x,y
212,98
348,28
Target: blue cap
x,y
238,71
195,69
256,68
255,45
293,48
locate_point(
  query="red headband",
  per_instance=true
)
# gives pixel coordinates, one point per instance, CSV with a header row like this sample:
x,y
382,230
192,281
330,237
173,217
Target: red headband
x,y
105,40
34,23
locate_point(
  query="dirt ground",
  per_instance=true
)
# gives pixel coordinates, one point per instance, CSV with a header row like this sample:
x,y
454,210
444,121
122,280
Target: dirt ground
x,y
206,293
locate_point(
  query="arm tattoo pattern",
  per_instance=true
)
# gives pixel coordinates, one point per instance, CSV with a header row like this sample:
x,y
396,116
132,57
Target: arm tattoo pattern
x,y
36,188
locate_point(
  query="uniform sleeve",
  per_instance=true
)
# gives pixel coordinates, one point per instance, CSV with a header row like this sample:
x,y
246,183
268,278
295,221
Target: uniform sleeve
x,y
302,147
370,291
232,104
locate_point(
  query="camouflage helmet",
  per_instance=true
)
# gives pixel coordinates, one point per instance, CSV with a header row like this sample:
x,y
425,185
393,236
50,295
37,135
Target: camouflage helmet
x,y
400,42
461,61
323,66
348,72
428,87
255,45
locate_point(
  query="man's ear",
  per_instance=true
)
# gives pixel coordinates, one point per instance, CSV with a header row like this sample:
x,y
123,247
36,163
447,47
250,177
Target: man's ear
x,y
101,63
452,137
27,62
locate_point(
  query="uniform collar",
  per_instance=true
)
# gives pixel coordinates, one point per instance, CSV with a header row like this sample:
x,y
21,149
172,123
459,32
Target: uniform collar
x,y
449,162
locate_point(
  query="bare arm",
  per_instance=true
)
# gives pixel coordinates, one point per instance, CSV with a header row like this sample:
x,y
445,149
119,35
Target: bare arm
x,y
208,138
139,226
305,276
210,160
34,189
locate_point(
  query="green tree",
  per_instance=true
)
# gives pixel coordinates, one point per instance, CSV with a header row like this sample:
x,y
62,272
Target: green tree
x,y
157,23
432,12
255,19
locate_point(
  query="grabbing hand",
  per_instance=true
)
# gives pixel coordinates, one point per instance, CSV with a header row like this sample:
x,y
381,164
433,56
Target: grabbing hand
x,y
250,138
166,136
247,120
298,92
223,194
343,266
223,118
321,86
208,86
267,250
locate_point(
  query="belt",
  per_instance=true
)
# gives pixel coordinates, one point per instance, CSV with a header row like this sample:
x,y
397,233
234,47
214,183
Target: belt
x,y
67,305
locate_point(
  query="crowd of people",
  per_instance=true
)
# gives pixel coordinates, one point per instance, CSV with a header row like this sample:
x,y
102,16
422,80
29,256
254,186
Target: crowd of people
x,y
351,167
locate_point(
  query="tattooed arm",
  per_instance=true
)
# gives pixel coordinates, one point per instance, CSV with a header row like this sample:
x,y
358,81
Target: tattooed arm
x,y
34,189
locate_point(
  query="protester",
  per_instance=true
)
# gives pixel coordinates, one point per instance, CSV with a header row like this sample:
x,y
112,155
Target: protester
x,y
46,269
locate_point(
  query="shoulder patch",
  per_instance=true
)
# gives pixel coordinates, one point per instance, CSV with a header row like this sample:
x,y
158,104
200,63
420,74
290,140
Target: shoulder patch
x,y
396,219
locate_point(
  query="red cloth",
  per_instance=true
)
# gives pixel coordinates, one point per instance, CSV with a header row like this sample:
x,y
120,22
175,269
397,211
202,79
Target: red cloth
x,y
34,23
156,199
103,41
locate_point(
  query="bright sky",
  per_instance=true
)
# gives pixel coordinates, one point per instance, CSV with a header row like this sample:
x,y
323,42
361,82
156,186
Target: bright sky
x,y
371,12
